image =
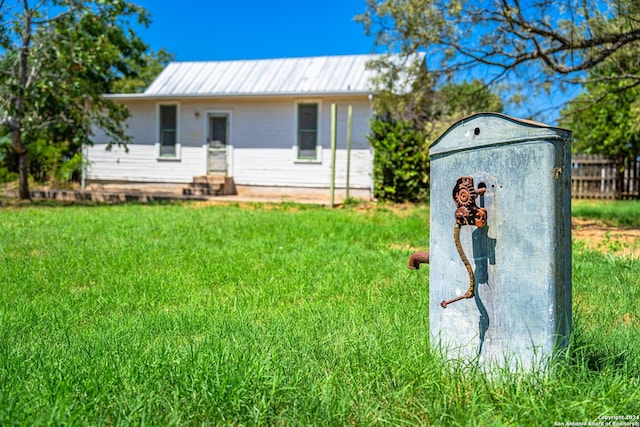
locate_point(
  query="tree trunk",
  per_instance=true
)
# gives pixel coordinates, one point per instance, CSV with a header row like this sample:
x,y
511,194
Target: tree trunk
x,y
23,172
23,163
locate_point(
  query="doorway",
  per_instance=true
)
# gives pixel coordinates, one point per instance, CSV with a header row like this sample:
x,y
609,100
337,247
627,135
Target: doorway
x,y
218,139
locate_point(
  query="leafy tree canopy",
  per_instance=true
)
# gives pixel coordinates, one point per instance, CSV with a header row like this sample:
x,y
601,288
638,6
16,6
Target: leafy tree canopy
x,y
536,43
145,72
605,118
57,59
407,91
401,135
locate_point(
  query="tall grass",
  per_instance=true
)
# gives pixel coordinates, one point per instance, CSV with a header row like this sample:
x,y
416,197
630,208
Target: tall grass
x,y
274,314
617,213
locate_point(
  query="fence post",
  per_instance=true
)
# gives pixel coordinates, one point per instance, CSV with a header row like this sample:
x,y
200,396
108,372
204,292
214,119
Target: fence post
x,y
349,126
334,126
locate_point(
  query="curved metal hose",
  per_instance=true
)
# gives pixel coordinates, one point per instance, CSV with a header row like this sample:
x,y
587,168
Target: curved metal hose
x,y
471,291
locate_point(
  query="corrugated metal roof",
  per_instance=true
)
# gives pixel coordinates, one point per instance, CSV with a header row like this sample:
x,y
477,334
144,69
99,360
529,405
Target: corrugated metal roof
x,y
345,74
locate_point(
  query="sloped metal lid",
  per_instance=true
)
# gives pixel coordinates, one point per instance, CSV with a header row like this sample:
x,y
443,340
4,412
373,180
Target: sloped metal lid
x,y
491,129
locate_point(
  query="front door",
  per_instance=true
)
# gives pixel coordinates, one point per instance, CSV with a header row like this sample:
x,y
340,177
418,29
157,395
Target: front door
x,y
218,133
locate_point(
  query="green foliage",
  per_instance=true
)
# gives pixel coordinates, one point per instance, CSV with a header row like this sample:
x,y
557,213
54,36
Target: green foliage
x,y
57,59
146,70
468,97
605,118
401,161
456,101
621,213
405,123
5,147
404,90
55,163
68,168
7,176
516,38
526,48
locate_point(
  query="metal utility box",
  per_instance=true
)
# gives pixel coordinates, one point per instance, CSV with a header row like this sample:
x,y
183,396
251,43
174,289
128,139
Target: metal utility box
x,y
500,241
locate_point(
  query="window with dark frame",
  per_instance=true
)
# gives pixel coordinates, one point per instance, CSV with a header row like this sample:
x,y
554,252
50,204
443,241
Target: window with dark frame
x,y
217,131
168,130
307,131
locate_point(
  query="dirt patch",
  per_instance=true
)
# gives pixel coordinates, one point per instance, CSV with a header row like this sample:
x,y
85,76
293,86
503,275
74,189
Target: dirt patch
x,y
599,236
405,248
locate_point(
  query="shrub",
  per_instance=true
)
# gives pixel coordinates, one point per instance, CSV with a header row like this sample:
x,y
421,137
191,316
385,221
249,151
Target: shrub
x,y
401,161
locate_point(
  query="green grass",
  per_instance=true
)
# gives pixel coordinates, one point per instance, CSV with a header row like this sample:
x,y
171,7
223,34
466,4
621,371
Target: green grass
x,y
274,314
616,213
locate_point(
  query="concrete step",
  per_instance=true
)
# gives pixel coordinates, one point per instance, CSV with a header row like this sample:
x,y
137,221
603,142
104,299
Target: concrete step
x,y
202,190
210,185
209,179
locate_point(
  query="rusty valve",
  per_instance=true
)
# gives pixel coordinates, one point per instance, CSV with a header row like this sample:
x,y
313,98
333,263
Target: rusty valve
x,y
467,213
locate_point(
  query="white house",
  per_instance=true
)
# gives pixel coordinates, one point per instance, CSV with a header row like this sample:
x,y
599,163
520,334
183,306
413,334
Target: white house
x,y
262,124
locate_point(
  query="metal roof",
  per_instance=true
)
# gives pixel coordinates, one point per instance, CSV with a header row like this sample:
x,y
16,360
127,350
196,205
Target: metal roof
x,y
346,74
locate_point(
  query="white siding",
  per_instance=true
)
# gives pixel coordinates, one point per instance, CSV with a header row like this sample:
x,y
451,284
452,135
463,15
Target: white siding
x,y
262,133
275,167
141,164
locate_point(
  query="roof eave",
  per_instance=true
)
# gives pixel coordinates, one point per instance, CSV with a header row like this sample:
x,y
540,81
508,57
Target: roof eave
x,y
142,96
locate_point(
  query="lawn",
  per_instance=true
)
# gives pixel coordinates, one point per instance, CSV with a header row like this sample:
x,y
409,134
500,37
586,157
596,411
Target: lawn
x,y
191,314
615,213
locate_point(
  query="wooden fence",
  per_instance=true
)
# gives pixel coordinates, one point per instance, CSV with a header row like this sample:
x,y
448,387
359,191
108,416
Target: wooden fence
x,y
599,177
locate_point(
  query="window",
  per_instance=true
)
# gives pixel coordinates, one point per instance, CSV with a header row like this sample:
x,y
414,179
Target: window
x,y
217,131
168,130
307,131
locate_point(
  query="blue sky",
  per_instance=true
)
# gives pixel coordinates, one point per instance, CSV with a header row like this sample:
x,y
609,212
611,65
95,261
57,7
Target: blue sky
x,y
201,30
196,30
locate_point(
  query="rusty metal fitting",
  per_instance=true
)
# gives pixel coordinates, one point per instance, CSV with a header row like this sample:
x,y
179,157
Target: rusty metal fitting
x,y
418,258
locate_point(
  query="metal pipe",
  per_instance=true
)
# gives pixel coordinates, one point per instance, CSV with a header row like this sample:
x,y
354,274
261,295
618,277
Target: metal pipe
x,y
418,258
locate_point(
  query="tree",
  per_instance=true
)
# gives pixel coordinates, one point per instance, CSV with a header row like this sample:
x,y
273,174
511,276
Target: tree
x,y
539,41
57,59
152,64
605,118
407,122
459,100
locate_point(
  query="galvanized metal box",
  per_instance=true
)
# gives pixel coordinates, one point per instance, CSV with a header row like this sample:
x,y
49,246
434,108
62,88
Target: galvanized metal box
x,y
520,257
